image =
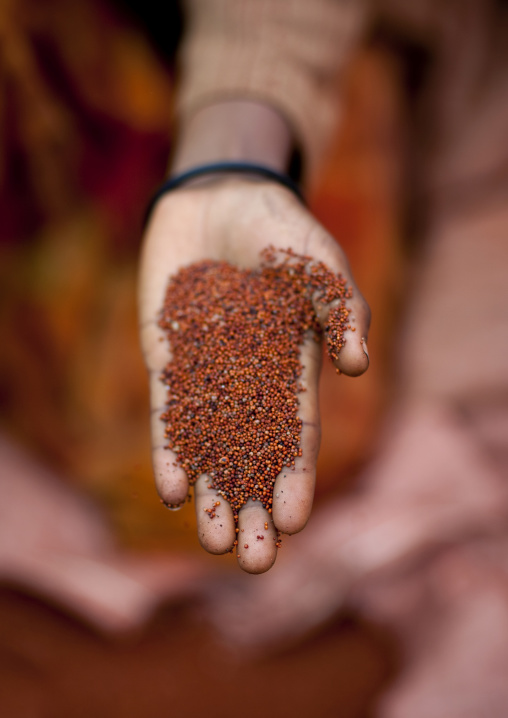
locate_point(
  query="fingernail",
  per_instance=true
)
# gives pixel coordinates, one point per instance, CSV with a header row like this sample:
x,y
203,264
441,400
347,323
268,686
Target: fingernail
x,y
364,347
172,507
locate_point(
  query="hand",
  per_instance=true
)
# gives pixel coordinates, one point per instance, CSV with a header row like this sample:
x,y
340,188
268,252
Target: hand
x,y
233,219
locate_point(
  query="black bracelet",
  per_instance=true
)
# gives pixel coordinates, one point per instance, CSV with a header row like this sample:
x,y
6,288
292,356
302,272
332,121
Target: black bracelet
x,y
226,167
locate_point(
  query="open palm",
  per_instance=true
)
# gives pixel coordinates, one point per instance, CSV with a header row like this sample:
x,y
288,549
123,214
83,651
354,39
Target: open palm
x,y
233,220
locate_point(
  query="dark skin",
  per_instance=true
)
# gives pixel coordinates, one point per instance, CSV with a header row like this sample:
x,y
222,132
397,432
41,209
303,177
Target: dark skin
x,y
232,219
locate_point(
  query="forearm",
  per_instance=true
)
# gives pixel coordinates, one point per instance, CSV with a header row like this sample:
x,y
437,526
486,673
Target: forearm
x,y
284,55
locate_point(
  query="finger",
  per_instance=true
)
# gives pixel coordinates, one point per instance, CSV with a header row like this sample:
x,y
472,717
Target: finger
x,y
293,491
257,538
216,525
353,358
170,479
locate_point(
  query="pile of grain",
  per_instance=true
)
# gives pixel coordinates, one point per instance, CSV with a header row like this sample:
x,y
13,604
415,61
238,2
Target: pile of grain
x,y
233,379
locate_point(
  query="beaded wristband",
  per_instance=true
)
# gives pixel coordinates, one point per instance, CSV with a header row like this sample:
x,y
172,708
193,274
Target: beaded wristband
x,y
228,168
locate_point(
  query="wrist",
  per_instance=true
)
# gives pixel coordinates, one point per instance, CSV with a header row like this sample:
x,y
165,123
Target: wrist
x,y
234,130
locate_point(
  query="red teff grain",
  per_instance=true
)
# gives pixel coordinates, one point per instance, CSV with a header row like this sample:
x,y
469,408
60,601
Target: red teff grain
x,y
234,376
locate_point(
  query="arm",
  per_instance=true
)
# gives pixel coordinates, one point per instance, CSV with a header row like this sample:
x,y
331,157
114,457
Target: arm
x,y
234,130
232,219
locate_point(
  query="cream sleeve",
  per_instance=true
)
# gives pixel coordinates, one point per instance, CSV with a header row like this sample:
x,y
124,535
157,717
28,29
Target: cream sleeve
x,y
286,53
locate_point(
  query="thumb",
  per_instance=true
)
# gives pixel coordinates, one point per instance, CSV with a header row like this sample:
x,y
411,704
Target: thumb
x,y
349,316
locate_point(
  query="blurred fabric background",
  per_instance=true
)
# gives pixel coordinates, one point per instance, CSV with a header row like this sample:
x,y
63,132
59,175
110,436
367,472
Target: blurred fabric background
x,y
87,90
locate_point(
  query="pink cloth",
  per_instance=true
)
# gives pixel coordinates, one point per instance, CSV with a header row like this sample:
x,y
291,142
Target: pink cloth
x,y
54,543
